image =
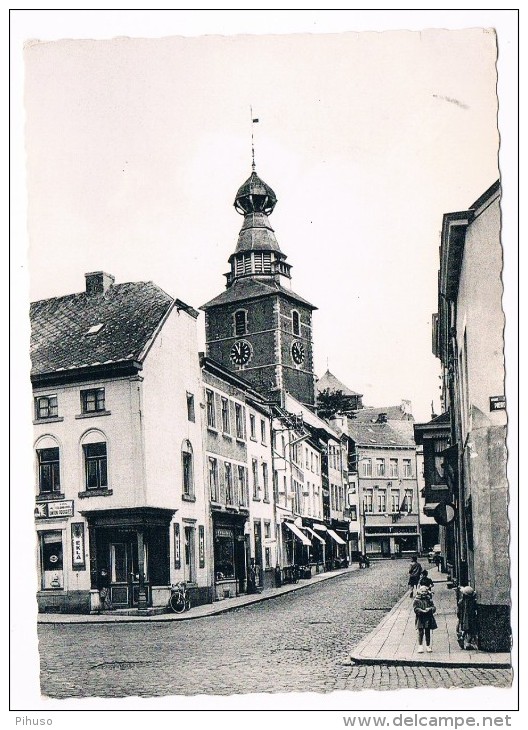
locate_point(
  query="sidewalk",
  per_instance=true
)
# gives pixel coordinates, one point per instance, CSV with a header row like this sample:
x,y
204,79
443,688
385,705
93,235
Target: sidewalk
x,y
209,609
394,640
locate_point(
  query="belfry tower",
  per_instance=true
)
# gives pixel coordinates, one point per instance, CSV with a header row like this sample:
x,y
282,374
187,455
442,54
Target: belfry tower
x,y
259,327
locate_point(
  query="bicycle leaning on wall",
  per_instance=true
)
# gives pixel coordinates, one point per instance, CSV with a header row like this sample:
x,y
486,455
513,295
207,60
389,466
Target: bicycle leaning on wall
x,y
179,600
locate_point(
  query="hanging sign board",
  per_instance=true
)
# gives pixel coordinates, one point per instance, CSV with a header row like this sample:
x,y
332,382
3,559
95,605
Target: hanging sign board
x,y
444,513
497,402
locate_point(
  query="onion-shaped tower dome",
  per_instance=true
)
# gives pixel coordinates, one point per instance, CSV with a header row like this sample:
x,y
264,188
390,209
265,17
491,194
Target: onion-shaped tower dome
x,y
255,196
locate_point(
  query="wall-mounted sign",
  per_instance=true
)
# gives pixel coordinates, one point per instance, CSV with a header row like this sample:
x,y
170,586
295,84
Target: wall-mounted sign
x,y
497,402
201,546
177,556
77,538
444,513
64,508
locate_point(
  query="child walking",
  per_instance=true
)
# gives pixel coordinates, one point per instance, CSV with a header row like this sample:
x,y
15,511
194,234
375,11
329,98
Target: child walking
x,y
425,621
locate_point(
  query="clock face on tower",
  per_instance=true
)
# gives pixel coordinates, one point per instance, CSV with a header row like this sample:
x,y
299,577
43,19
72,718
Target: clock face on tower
x,y
297,351
241,352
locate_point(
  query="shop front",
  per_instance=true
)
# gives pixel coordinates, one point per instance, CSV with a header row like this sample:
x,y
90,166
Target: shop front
x,y
296,552
317,549
387,542
336,550
130,556
230,556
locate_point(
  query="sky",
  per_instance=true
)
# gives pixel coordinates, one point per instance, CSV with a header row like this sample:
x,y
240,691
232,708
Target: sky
x,y
136,147
127,156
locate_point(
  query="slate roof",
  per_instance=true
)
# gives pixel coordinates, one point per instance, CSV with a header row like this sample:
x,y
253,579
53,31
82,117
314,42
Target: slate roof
x,y
249,288
394,413
371,435
256,234
130,314
328,381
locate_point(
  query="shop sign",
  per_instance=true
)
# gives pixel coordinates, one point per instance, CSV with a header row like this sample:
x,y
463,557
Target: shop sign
x,y
201,546
223,532
44,510
77,538
497,402
177,556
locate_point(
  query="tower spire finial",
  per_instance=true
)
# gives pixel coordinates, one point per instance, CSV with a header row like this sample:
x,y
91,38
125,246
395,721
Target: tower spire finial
x,y
253,121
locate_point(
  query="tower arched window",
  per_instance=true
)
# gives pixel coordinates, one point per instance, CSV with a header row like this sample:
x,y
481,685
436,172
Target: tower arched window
x,y
240,321
187,469
296,323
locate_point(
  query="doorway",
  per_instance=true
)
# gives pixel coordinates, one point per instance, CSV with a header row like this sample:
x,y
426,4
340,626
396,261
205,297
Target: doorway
x,y
124,571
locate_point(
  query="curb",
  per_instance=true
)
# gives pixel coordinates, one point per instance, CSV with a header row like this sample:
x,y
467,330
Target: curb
x,y
168,617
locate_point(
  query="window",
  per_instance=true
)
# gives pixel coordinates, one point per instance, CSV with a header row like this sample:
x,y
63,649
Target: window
x,y
240,322
49,470
224,557
395,501
267,557
46,406
296,325
190,407
51,557
213,479
187,469
242,486
311,461
252,427
228,478
407,468
265,482
95,465
393,467
382,501
239,421
341,491
367,467
408,500
226,426
380,467
210,405
353,512
254,472
263,430
93,401
316,464
367,501
267,529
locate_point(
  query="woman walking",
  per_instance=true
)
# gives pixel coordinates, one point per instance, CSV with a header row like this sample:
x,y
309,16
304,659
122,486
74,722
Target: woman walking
x,y
467,628
414,574
425,621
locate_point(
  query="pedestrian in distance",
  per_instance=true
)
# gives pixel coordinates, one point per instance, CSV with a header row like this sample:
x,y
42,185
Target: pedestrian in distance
x,y
426,581
415,570
104,590
467,627
425,622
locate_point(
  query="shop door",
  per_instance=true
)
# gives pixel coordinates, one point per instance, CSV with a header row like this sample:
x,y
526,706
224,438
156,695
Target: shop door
x,y
385,547
240,563
124,572
190,555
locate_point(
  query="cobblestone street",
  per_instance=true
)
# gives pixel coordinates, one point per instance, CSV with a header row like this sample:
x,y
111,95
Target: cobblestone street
x,y
294,643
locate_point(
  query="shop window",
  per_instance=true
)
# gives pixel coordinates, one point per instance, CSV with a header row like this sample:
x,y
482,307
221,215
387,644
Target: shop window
x,y
49,470
224,556
213,479
95,466
190,407
46,407
93,401
187,469
51,560
210,406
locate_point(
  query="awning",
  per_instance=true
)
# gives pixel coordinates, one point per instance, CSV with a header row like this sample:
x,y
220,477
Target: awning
x,y
298,533
429,508
335,537
321,528
309,530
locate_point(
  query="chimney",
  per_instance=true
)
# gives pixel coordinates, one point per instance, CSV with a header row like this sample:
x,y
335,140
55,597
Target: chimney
x,y
98,282
382,418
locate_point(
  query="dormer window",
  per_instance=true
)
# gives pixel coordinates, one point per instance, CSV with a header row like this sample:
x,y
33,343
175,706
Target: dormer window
x,y
296,323
240,319
95,329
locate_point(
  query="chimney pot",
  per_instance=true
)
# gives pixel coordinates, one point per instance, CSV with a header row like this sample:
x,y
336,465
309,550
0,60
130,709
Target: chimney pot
x,y
98,282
